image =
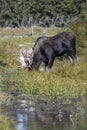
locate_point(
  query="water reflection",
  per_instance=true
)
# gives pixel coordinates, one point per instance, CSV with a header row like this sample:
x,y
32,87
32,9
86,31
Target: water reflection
x,y
22,121
27,118
30,121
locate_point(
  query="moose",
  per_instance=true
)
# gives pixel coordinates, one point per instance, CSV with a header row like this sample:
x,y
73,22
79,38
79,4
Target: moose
x,y
47,48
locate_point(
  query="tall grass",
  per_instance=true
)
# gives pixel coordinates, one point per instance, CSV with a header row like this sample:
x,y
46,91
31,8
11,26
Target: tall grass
x,y
5,124
63,81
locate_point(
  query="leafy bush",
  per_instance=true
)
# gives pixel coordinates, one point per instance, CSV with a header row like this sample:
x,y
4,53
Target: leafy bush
x,y
27,12
80,29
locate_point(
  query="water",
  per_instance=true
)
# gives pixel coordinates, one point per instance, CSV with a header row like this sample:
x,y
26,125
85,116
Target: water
x,y
24,114
31,122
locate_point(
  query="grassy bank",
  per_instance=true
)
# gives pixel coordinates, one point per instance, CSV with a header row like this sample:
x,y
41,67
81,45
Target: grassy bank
x,y
62,80
6,123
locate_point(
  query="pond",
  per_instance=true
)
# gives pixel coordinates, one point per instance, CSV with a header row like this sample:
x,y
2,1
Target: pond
x,y
28,117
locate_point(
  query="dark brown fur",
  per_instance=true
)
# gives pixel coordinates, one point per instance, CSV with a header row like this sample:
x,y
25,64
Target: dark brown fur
x,y
47,48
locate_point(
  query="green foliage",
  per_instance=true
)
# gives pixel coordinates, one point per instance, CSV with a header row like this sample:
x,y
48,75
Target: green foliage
x,y
80,29
27,12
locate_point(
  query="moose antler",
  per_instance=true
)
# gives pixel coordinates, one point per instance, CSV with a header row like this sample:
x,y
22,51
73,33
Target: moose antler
x,y
22,57
26,57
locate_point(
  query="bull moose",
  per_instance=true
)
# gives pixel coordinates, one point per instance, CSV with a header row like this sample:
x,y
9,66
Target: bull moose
x,y
47,48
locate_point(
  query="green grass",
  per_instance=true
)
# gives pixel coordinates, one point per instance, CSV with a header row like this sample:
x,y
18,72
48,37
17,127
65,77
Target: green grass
x,y
65,81
6,123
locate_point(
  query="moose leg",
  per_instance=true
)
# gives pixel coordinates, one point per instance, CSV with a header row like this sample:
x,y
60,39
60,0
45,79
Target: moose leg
x,y
72,55
46,63
76,58
71,60
50,63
